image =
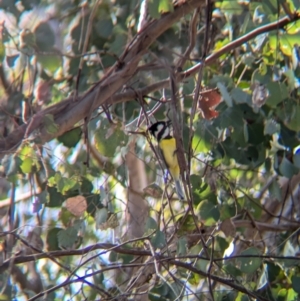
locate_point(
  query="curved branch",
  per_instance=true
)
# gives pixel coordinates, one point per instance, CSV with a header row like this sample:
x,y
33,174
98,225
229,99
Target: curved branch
x,y
68,112
104,246
228,282
130,94
107,247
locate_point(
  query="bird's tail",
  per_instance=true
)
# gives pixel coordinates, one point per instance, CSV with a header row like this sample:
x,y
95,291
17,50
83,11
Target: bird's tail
x,y
179,190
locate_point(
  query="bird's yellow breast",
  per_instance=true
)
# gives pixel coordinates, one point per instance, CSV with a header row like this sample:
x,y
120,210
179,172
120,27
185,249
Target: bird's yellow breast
x,y
168,148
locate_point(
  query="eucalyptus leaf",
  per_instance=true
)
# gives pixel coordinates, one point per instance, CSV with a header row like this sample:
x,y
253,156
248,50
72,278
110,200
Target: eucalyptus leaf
x,y
251,264
225,94
67,238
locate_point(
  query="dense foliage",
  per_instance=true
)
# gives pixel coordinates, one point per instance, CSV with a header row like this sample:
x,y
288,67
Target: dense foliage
x,y
86,210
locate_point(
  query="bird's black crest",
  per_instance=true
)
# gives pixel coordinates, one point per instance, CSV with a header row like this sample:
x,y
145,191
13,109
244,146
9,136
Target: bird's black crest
x,y
158,130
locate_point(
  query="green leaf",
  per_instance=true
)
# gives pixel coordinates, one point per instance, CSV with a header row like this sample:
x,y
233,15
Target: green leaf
x,y
291,79
226,96
11,164
278,92
182,246
51,126
196,181
232,117
275,272
158,292
275,190
29,159
67,238
188,224
66,185
239,96
2,51
113,256
202,264
256,135
227,211
59,183
151,224
51,63
101,217
104,27
296,283
255,209
8,289
194,279
70,138
57,177
271,127
26,165
294,27
292,294
52,239
270,7
230,7
246,133
175,288
287,41
93,202
109,139
165,6
119,42
293,118
125,258
221,244
159,240
153,8
86,185
248,60
55,198
208,212
44,37
196,249
287,169
232,270
251,264
65,216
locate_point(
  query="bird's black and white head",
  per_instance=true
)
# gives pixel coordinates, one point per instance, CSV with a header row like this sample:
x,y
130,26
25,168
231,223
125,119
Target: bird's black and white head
x,y
161,130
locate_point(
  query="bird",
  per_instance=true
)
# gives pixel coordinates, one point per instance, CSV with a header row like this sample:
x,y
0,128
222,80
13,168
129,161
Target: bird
x,y
162,131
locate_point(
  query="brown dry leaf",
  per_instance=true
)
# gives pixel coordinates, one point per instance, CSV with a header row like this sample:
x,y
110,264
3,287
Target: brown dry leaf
x,y
208,100
228,228
76,205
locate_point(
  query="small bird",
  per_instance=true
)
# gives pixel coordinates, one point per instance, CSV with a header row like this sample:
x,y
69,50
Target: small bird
x,y
161,130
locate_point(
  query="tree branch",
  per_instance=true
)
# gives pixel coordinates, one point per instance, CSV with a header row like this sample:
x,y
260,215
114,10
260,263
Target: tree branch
x,y
68,112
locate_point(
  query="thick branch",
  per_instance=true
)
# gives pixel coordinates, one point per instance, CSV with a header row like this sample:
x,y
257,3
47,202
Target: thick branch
x,y
68,112
131,94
